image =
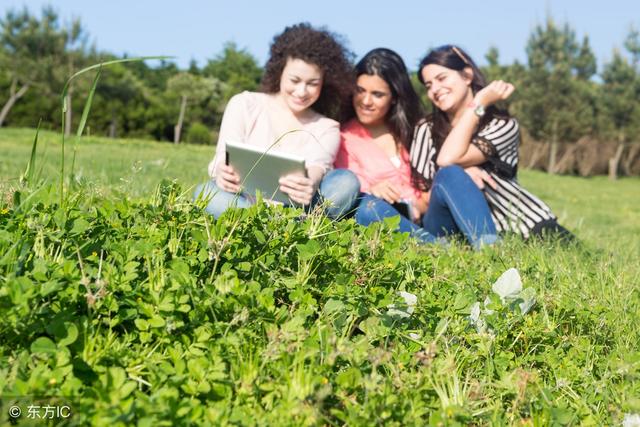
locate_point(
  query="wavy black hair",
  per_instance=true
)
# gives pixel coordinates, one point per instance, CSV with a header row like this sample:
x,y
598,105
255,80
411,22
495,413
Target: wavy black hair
x,y
406,109
321,48
455,58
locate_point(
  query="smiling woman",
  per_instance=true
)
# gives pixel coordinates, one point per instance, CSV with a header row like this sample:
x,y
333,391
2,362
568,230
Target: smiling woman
x,y
306,79
467,129
376,145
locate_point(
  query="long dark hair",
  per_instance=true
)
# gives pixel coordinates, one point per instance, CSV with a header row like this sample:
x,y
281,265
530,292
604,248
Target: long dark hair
x,y
314,46
406,110
454,58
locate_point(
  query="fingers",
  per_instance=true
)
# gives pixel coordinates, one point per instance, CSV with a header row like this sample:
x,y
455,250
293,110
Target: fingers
x,y
497,90
502,89
478,181
509,90
299,188
227,179
480,177
385,190
489,180
415,214
475,173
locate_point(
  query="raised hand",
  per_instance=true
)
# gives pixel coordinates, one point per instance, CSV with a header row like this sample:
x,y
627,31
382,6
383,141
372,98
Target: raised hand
x,y
497,90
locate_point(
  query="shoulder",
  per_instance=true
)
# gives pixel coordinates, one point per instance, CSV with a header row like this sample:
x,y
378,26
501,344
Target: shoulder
x,y
325,124
353,133
247,101
352,127
424,125
422,131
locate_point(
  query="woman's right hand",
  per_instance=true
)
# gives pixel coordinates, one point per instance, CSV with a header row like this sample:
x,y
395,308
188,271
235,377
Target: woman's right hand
x,y
385,190
497,90
228,179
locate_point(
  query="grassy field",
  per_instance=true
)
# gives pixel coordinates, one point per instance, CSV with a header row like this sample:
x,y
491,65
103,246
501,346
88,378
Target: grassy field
x,y
596,209
135,308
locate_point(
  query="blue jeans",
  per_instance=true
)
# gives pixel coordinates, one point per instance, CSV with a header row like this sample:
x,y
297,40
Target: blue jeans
x,y
457,206
337,193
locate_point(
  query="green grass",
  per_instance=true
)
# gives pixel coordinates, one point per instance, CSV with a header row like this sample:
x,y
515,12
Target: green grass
x,y
596,209
133,166
138,309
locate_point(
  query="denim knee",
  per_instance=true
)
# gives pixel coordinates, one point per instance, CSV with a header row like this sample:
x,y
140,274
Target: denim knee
x,y
448,173
369,210
217,199
339,189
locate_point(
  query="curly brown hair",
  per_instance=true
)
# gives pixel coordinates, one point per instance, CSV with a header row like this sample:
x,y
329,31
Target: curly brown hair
x,y
321,48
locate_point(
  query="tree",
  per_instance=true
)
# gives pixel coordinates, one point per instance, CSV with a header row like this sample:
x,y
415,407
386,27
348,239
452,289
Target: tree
x,y
236,68
189,87
632,44
118,91
560,96
619,99
34,50
515,73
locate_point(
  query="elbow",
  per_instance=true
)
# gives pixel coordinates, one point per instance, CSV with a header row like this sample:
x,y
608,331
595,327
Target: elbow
x,y
443,161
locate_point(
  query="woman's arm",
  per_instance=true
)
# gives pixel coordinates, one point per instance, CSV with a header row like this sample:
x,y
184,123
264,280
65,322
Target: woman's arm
x,y
232,128
457,148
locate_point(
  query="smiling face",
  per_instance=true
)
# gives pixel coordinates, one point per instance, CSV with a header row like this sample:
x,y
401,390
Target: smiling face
x,y
449,90
372,100
300,85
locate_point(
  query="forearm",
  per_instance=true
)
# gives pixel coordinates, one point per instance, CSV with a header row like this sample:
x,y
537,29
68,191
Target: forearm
x,y
456,145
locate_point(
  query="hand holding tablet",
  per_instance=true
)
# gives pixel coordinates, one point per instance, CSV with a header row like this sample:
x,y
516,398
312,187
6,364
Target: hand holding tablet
x,y
228,179
271,172
299,188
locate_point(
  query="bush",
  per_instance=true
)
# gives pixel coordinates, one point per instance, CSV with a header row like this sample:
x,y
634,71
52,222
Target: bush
x,y
198,133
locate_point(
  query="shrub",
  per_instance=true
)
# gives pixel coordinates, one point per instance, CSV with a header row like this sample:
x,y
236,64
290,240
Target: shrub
x,y
198,133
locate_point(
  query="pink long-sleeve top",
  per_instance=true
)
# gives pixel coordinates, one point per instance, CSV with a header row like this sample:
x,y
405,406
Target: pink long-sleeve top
x,y
247,119
360,154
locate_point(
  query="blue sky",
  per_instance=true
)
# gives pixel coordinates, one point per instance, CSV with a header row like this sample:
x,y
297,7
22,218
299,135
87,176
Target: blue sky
x,y
197,29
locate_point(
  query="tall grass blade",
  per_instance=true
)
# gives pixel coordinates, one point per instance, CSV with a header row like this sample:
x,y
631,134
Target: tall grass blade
x,y
85,115
87,105
27,176
65,90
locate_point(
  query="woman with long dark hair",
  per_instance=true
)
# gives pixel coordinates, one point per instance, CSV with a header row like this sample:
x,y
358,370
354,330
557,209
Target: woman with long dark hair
x,y
467,130
375,144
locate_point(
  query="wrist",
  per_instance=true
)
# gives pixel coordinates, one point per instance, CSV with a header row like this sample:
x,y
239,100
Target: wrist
x,y
478,108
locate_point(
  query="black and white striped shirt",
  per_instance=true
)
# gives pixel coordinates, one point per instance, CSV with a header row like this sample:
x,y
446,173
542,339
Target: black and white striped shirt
x,y
512,207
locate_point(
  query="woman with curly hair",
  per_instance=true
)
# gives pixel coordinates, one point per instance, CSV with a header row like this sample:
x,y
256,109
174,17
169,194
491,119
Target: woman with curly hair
x,y
306,79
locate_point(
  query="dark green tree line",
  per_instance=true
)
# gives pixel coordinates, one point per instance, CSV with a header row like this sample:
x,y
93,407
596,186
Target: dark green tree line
x,y
561,95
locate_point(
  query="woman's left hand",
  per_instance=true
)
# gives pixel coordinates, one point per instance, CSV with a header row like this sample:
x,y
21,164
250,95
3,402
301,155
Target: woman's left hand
x,y
480,177
299,188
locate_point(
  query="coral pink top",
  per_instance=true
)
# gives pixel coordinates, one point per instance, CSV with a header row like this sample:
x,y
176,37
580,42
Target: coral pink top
x,y
359,153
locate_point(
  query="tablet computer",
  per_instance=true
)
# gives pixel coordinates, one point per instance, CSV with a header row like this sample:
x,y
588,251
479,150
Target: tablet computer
x,y
260,169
